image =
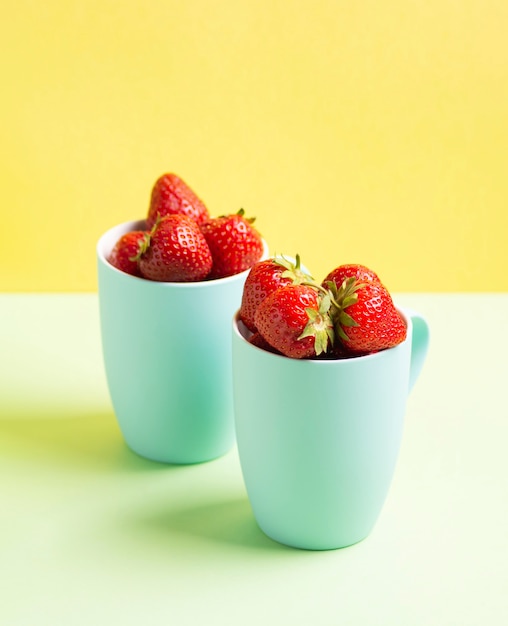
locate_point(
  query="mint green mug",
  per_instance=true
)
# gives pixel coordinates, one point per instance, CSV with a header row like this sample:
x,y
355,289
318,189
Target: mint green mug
x,y
167,356
318,440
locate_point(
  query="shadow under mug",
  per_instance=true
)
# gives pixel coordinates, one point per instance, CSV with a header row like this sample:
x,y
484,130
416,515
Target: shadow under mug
x,y
167,356
318,440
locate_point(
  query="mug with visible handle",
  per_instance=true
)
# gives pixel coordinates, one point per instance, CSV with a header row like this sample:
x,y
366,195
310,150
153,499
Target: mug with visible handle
x,y
318,440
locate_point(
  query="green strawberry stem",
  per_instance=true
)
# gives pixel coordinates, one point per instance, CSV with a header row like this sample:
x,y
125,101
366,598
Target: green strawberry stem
x,y
241,213
294,271
145,241
299,277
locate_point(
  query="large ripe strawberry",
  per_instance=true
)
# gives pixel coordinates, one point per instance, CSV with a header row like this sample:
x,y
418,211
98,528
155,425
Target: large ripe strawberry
x,y
294,320
234,243
351,270
171,195
365,317
175,250
263,279
124,252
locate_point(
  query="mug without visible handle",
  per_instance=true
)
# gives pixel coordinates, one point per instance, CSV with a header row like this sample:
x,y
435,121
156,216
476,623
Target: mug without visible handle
x,y
318,440
167,356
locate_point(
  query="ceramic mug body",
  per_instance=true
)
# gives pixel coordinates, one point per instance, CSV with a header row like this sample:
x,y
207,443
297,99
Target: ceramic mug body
x,y
167,356
318,440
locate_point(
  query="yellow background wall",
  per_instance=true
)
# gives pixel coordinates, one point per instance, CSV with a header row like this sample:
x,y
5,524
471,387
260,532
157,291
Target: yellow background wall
x,y
364,131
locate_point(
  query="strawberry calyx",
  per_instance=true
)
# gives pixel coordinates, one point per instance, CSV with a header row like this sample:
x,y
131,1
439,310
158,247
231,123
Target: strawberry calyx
x,y
239,213
294,272
320,325
341,298
146,240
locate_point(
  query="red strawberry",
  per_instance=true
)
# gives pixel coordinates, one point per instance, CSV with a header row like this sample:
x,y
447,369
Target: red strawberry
x,y
264,278
360,272
294,320
234,243
257,340
337,351
171,195
365,317
125,250
175,250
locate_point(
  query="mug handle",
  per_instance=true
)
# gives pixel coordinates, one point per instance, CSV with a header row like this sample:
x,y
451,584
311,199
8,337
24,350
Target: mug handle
x,y
419,345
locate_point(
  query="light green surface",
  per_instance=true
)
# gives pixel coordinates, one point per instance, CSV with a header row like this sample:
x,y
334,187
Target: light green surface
x,y
92,534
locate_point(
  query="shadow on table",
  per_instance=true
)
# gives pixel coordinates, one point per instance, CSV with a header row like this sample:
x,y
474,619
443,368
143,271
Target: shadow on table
x,y
86,442
225,521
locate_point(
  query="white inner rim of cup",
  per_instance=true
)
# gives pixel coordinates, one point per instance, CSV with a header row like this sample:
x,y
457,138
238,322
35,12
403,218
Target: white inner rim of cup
x,y
242,331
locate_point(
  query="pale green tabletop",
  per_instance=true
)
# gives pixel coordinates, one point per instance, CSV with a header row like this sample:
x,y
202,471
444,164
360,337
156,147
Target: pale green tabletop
x,y
91,534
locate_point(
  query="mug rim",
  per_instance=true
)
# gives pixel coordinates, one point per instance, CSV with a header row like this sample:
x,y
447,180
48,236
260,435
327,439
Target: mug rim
x,y
321,362
103,250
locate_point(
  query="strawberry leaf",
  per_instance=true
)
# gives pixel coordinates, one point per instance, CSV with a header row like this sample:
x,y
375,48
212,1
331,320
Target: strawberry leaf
x,y
293,271
346,320
352,299
143,245
325,304
340,332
